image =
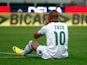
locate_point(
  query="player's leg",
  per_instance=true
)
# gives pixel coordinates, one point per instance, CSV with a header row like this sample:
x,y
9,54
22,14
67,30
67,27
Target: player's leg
x,y
30,47
43,52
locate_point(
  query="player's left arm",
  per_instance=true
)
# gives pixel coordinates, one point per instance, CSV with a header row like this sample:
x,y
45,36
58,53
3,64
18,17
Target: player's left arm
x,y
48,19
36,35
40,32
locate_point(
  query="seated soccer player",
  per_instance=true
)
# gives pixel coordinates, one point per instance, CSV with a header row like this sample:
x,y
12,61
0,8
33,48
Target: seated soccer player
x,y
57,39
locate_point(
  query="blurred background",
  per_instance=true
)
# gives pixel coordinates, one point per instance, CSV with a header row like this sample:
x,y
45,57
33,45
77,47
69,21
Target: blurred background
x,y
22,5
61,3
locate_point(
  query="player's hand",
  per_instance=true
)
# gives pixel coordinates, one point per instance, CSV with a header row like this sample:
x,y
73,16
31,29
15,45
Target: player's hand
x,y
46,21
36,35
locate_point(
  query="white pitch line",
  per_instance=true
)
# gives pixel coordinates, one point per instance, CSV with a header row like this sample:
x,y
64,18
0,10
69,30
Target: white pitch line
x,y
8,53
11,57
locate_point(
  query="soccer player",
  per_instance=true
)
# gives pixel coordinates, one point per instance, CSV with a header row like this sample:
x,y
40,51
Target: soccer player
x,y
57,39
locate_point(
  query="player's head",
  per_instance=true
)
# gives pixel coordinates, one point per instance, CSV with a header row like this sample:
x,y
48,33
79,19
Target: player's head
x,y
53,16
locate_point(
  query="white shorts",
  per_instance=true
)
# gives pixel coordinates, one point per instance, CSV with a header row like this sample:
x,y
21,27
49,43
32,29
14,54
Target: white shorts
x,y
42,52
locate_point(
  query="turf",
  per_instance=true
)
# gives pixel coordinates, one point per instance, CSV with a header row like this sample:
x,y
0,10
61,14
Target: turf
x,y
19,36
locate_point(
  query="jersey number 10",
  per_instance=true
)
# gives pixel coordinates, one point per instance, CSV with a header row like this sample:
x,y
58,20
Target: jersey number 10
x,y
60,38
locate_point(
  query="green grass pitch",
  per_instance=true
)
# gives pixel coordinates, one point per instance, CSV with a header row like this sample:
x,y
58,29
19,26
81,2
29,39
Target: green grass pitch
x,y
19,36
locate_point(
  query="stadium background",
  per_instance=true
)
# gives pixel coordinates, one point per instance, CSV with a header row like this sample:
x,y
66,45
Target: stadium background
x,y
69,8
17,26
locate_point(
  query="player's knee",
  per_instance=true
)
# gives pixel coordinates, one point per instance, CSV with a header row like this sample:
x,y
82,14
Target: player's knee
x,y
34,45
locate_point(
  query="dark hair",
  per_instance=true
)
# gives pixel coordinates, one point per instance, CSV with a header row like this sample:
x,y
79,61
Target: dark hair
x,y
53,15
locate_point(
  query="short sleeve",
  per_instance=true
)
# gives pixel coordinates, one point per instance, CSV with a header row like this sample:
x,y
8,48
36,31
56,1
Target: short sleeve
x,y
43,30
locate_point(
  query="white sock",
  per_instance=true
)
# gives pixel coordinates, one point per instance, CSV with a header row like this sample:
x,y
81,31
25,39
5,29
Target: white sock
x,y
28,48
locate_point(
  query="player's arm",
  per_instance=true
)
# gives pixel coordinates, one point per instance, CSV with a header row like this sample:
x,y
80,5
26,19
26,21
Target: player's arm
x,y
40,32
47,21
36,35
